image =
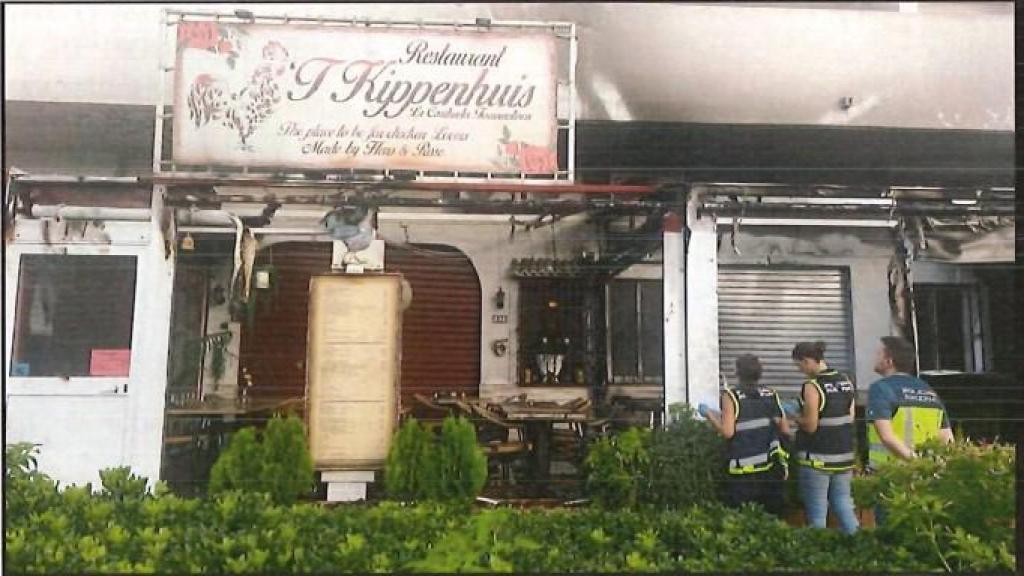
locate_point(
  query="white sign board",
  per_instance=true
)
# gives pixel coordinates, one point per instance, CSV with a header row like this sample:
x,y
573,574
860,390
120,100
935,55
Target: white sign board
x,y
353,348
322,97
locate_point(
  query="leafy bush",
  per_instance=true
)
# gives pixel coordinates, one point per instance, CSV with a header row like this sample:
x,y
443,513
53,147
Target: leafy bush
x,y
954,503
408,473
25,487
618,468
422,466
687,462
673,467
120,484
246,532
461,464
277,464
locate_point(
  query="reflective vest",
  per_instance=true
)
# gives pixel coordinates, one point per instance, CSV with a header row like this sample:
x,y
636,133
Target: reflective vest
x,y
830,447
755,445
912,424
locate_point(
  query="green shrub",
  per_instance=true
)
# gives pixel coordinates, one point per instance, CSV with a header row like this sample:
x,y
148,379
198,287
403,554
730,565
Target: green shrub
x,y
618,468
276,463
422,466
955,503
674,467
409,473
461,464
247,532
26,489
687,463
120,484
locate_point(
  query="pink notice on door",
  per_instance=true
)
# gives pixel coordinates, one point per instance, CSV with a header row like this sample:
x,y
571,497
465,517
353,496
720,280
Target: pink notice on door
x,y
110,362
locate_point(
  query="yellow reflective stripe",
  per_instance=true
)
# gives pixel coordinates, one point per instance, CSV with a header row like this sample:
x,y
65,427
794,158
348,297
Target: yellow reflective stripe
x,y
735,402
750,469
778,402
821,395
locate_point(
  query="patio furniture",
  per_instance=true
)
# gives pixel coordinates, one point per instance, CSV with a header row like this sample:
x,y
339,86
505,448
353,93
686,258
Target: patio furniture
x,y
641,412
501,450
538,419
431,413
569,443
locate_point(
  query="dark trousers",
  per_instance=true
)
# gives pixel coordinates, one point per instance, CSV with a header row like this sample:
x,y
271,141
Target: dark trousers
x,y
764,488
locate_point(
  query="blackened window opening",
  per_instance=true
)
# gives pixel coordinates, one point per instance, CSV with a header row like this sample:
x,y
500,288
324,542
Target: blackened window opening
x,y
551,332
74,316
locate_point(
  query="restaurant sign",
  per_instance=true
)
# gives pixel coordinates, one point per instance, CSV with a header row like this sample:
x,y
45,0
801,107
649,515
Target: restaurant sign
x,y
337,97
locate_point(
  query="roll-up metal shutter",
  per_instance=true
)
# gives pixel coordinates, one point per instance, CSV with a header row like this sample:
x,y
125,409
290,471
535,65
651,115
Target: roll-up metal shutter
x,y
441,329
766,311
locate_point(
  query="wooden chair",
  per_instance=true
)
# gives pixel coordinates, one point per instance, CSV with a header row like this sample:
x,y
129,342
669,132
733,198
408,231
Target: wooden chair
x,y
429,412
497,443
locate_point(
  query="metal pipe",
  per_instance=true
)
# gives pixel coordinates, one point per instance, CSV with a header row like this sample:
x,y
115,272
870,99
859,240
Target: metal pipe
x,y
186,217
833,222
369,22
65,179
158,120
857,211
533,186
90,213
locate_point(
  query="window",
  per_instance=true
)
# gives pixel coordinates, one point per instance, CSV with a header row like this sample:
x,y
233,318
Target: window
x,y
948,327
74,316
551,313
635,331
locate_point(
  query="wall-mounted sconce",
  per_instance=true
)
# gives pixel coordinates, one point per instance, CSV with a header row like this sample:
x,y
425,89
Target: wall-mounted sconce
x,y
188,243
499,299
846,102
500,347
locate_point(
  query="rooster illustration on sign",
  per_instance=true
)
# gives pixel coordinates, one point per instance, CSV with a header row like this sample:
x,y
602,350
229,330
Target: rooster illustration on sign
x,y
212,99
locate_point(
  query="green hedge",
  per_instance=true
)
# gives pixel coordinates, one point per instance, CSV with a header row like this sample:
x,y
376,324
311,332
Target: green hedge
x,y
954,503
124,528
677,466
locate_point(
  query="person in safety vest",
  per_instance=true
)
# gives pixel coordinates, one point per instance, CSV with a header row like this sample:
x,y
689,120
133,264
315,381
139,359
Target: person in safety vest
x,y
903,409
824,441
750,417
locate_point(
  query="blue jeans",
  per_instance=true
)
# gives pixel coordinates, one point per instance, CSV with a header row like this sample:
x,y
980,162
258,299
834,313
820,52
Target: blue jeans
x,y
819,489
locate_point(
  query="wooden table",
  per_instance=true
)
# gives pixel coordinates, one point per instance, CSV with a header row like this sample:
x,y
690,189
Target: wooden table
x,y
539,419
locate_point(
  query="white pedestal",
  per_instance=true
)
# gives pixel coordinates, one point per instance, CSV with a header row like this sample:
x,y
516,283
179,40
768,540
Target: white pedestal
x,y
346,485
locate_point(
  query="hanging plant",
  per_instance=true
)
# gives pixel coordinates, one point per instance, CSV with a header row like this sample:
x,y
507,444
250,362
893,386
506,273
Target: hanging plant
x,y
216,345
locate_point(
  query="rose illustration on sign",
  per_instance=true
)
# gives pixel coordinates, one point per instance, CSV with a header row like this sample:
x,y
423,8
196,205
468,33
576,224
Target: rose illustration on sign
x,y
242,110
211,37
522,157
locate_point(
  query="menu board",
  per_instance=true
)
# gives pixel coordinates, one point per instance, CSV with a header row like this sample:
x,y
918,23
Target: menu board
x,y
352,375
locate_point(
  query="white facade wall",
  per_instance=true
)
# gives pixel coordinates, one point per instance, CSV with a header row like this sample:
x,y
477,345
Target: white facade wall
x,y
86,424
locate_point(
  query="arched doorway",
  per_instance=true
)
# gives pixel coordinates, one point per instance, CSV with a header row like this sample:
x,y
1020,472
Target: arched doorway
x,y
440,330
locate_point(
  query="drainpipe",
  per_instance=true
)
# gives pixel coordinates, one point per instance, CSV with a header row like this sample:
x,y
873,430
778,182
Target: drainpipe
x,y
90,213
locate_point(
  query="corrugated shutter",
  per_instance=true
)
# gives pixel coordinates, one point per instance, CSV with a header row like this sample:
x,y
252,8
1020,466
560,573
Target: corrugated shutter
x,y
273,346
441,329
766,311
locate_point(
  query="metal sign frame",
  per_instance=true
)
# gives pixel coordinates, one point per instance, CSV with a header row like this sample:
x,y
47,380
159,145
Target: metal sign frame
x,y
565,91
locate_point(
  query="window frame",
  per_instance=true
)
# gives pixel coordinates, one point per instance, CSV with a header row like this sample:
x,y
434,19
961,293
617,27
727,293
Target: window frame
x,y
972,324
73,385
641,379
